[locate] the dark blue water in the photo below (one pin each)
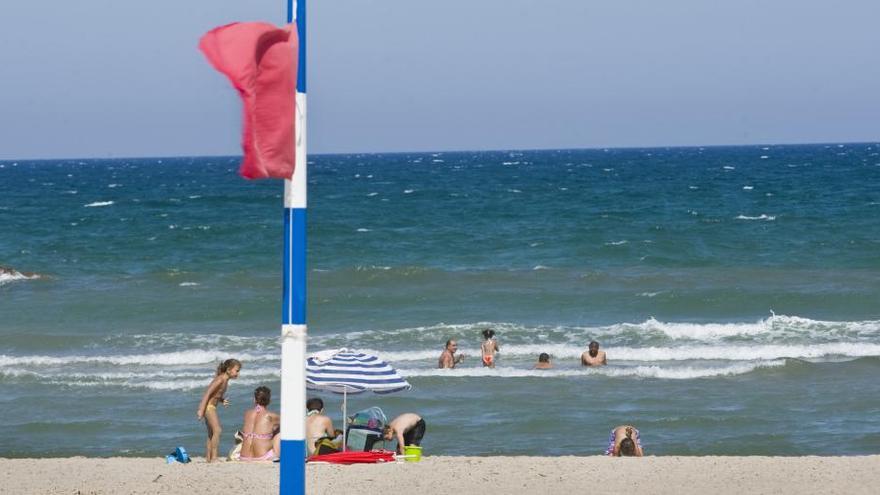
(735, 289)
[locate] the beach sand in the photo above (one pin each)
(460, 475)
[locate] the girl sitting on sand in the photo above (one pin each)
(227, 370)
(261, 441)
(489, 348)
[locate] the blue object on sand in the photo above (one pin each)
(170, 459)
(180, 455)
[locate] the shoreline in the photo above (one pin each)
(464, 475)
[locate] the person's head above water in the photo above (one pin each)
(488, 333)
(314, 404)
(544, 358)
(451, 345)
(262, 396)
(594, 348)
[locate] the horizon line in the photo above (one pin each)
(514, 150)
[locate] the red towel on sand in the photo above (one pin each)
(260, 60)
(351, 457)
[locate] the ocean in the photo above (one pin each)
(735, 290)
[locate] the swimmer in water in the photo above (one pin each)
(593, 356)
(489, 348)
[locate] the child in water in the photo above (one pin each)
(215, 394)
(489, 348)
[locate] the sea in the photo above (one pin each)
(736, 291)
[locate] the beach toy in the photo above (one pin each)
(180, 455)
(412, 453)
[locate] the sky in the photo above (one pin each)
(108, 78)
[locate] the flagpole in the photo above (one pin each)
(293, 318)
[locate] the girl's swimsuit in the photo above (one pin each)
(270, 454)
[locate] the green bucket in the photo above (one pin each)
(413, 453)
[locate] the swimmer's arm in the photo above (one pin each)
(604, 358)
(459, 358)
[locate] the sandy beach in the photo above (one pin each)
(462, 475)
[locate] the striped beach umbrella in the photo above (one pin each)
(350, 372)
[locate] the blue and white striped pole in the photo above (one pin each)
(293, 318)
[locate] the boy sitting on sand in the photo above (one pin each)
(318, 425)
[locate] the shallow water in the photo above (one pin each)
(736, 295)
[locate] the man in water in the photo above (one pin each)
(318, 425)
(543, 362)
(593, 356)
(407, 429)
(448, 359)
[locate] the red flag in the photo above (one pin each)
(260, 60)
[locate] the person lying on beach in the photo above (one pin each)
(407, 429)
(624, 441)
(593, 356)
(215, 394)
(543, 362)
(260, 432)
(489, 348)
(448, 359)
(318, 426)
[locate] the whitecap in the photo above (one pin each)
(364, 230)
(188, 284)
(764, 157)
(98, 203)
(408, 191)
(729, 167)
(8, 275)
(763, 216)
(748, 188)
(669, 373)
(616, 243)
(372, 194)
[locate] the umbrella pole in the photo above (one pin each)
(344, 417)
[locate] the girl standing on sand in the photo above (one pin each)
(215, 394)
(489, 348)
